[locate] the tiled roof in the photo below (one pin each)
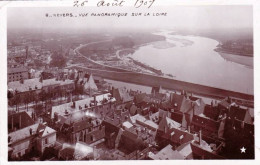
(81, 125)
(14, 119)
(205, 122)
(60, 109)
(201, 150)
(110, 128)
(39, 129)
(166, 105)
(185, 150)
(166, 122)
(177, 117)
(33, 84)
(16, 70)
(178, 136)
(127, 124)
(177, 100)
(48, 131)
(23, 133)
(141, 98)
(237, 112)
(211, 112)
(130, 135)
(167, 153)
(162, 113)
(138, 117)
(28, 84)
(224, 103)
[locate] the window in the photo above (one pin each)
(46, 141)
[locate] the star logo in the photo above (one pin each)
(243, 150)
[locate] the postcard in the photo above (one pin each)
(88, 81)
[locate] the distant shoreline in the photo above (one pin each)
(218, 49)
(221, 50)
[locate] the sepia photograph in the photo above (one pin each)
(130, 83)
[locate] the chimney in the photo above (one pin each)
(20, 122)
(95, 100)
(193, 109)
(171, 97)
(242, 124)
(74, 104)
(30, 131)
(12, 122)
(200, 137)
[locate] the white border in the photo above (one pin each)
(69, 3)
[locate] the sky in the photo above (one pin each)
(203, 17)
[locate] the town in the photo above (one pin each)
(60, 112)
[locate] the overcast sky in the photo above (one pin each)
(177, 17)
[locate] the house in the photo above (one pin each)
(167, 153)
(30, 87)
(130, 142)
(212, 112)
(111, 133)
(225, 104)
(17, 74)
(185, 150)
(46, 138)
(32, 138)
(177, 137)
(165, 125)
(89, 85)
(156, 90)
(208, 126)
(18, 121)
(81, 127)
(98, 105)
(80, 151)
(141, 100)
(121, 95)
(239, 113)
(203, 151)
(184, 108)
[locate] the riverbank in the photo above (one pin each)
(243, 60)
(221, 50)
(120, 59)
(168, 83)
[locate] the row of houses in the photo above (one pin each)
(151, 126)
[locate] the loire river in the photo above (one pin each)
(193, 59)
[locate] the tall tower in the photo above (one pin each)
(27, 53)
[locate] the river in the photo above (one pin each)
(193, 59)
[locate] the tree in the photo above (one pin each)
(58, 60)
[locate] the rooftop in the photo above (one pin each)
(29, 131)
(17, 70)
(167, 153)
(35, 83)
(65, 109)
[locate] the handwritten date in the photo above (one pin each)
(140, 3)
(119, 3)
